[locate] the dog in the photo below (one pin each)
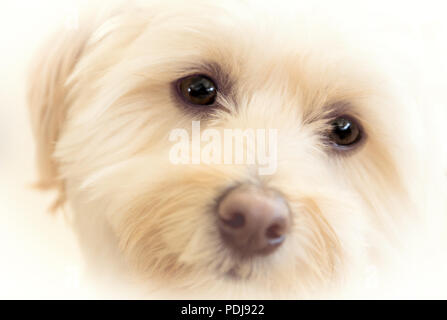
(348, 180)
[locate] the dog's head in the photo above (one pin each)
(112, 101)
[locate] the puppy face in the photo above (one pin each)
(108, 99)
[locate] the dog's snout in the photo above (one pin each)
(253, 221)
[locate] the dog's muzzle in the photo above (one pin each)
(253, 220)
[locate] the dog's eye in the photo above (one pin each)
(198, 89)
(345, 132)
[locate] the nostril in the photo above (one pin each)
(236, 220)
(273, 232)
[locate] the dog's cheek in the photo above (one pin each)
(167, 227)
(330, 219)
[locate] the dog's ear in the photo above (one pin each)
(49, 82)
(47, 98)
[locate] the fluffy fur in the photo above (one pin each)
(102, 109)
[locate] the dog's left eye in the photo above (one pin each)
(198, 89)
(345, 132)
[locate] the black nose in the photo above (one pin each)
(253, 221)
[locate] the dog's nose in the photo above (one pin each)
(253, 221)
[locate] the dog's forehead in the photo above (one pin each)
(288, 49)
(244, 26)
(256, 41)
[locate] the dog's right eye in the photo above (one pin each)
(345, 132)
(197, 90)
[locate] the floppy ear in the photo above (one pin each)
(49, 84)
(47, 101)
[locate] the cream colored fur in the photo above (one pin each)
(102, 109)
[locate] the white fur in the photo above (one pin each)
(102, 111)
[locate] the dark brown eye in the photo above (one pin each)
(198, 90)
(345, 132)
